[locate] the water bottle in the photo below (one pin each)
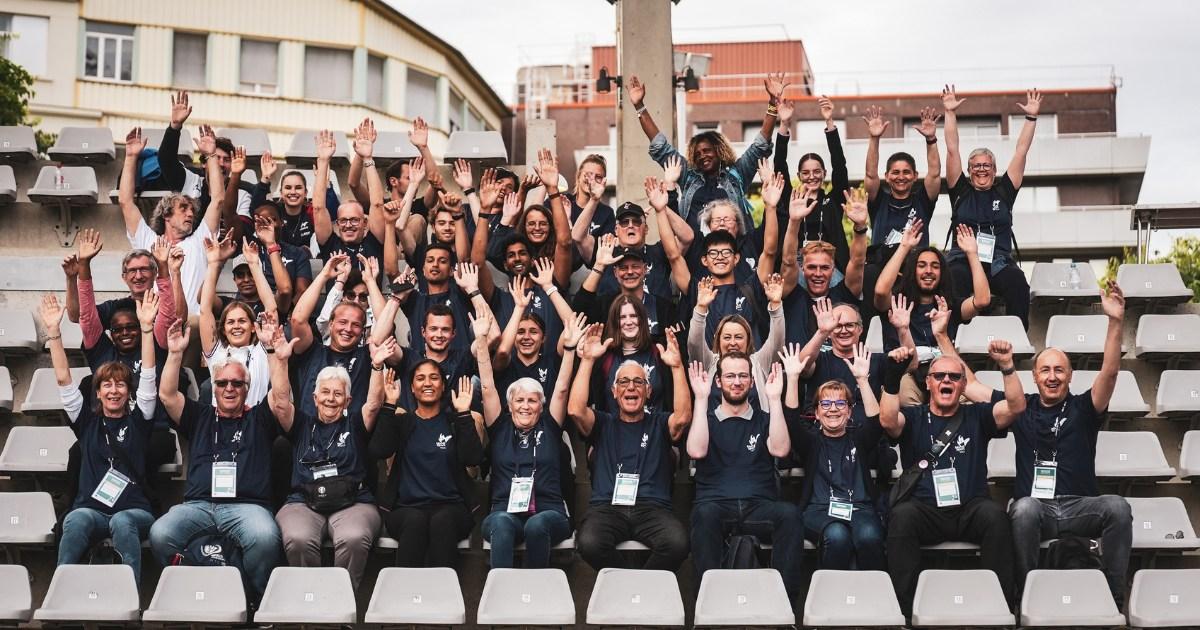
(1073, 279)
(59, 180)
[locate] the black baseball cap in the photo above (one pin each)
(630, 252)
(629, 209)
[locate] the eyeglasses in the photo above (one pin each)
(720, 253)
(228, 383)
(953, 377)
(626, 381)
(125, 328)
(740, 376)
(628, 221)
(827, 404)
(357, 296)
(981, 167)
(349, 221)
(847, 326)
(133, 271)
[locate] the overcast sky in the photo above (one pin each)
(1151, 45)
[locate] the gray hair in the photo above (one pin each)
(139, 253)
(707, 210)
(334, 373)
(982, 151)
(525, 385)
(221, 361)
(631, 363)
(165, 208)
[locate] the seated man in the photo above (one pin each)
(633, 473)
(736, 487)
(946, 444)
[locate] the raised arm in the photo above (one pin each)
(772, 189)
(70, 267)
(697, 439)
(279, 350)
(681, 409)
(301, 330)
(681, 274)
(950, 103)
(799, 207)
(981, 292)
(213, 177)
(284, 290)
(90, 244)
(581, 233)
(215, 254)
(322, 226)
(1031, 107)
(1112, 300)
(229, 203)
(381, 354)
(876, 127)
(364, 148)
(895, 265)
(637, 94)
(466, 275)
(899, 315)
(933, 160)
(827, 321)
(779, 441)
(52, 314)
(697, 345)
(793, 368)
(855, 209)
(1013, 405)
(168, 386)
(590, 348)
(146, 395)
(544, 276)
(265, 296)
(548, 171)
(890, 418)
(134, 143)
(518, 289)
(562, 387)
(492, 405)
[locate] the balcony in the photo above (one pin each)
(1078, 232)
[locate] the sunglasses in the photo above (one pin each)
(125, 329)
(828, 404)
(628, 221)
(626, 381)
(229, 383)
(953, 377)
(357, 296)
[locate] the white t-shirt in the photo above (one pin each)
(195, 264)
(256, 361)
(193, 186)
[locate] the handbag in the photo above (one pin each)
(331, 494)
(908, 480)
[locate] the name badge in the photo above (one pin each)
(110, 487)
(841, 509)
(987, 246)
(893, 237)
(520, 494)
(224, 480)
(322, 471)
(945, 487)
(625, 489)
(1045, 477)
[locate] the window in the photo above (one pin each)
(474, 121)
(456, 111)
(751, 129)
(259, 67)
(190, 60)
(809, 131)
(967, 128)
(108, 52)
(25, 41)
(328, 74)
(420, 95)
(1047, 125)
(701, 127)
(375, 81)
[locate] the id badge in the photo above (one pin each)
(110, 487)
(324, 470)
(520, 493)
(945, 487)
(625, 489)
(893, 238)
(1045, 477)
(987, 246)
(841, 509)
(224, 480)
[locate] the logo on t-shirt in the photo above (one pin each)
(537, 302)
(995, 205)
(649, 368)
(752, 444)
(960, 445)
(738, 302)
(751, 262)
(121, 434)
(342, 439)
(645, 439)
(543, 373)
(1058, 425)
(442, 440)
(237, 437)
(593, 226)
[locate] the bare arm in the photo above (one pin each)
(229, 204)
(856, 209)
(876, 126)
(168, 386)
(322, 226)
(1113, 303)
(1008, 410)
(950, 103)
(491, 398)
(697, 440)
(562, 387)
(281, 388)
(301, 330)
(1031, 107)
(134, 143)
(981, 292)
(681, 411)
(637, 93)
(216, 190)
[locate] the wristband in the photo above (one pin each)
(465, 415)
(376, 368)
(1009, 371)
(640, 110)
(148, 332)
(58, 336)
(553, 195)
(772, 111)
(892, 373)
(1031, 118)
(488, 215)
(472, 294)
(862, 231)
(269, 350)
(469, 191)
(551, 291)
(932, 140)
(274, 248)
(368, 163)
(570, 348)
(599, 271)
(457, 217)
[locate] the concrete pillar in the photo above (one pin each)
(644, 50)
(539, 134)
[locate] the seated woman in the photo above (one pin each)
(428, 498)
(114, 439)
(526, 444)
(329, 468)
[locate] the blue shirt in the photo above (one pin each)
(738, 464)
(655, 371)
(544, 370)
(427, 466)
(988, 211)
(1065, 433)
(798, 310)
(535, 452)
(967, 453)
(245, 440)
(418, 304)
(99, 437)
(319, 356)
(342, 443)
(829, 367)
(744, 297)
(888, 213)
(640, 448)
(658, 274)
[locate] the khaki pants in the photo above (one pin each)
(911, 394)
(352, 530)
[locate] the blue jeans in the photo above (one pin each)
(539, 532)
(84, 526)
(252, 526)
(841, 545)
(776, 522)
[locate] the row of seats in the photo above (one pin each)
(1052, 284)
(42, 397)
(750, 597)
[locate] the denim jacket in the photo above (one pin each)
(732, 180)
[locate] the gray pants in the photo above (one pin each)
(352, 530)
(1107, 517)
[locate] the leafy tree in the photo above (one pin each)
(1184, 254)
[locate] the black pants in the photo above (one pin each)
(1009, 283)
(605, 526)
(428, 535)
(777, 522)
(914, 523)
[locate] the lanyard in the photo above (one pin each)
(103, 427)
(1060, 421)
(933, 439)
(846, 475)
(526, 436)
(312, 437)
(217, 435)
(640, 453)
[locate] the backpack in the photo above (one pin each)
(210, 550)
(741, 552)
(1073, 552)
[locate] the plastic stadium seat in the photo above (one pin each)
(1080, 336)
(875, 335)
(1002, 458)
(72, 336)
(1077, 597)
(8, 184)
(79, 187)
(1125, 455)
(303, 151)
(631, 545)
(26, 518)
(309, 595)
(973, 338)
(1162, 523)
(1051, 282)
(959, 599)
(417, 596)
(42, 397)
(566, 545)
(1126, 401)
(995, 380)
(851, 598)
(83, 145)
(6, 389)
(17, 332)
(392, 146)
(91, 593)
(16, 601)
(538, 597)
(256, 141)
(1159, 284)
(743, 597)
(1189, 457)
(36, 449)
(1167, 337)
(476, 145)
(1165, 598)
(17, 144)
(1178, 394)
(198, 595)
(631, 597)
(154, 138)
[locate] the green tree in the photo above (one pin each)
(16, 88)
(1184, 254)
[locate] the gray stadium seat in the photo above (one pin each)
(1126, 401)
(1153, 284)
(973, 338)
(303, 151)
(6, 389)
(79, 186)
(83, 145)
(630, 597)
(36, 449)
(256, 141)
(308, 595)
(487, 146)
(851, 598)
(1189, 457)
(18, 333)
(8, 184)
(1165, 598)
(417, 596)
(1167, 337)
(631, 545)
(18, 144)
(16, 602)
(1178, 394)
(154, 138)
(538, 597)
(42, 397)
(72, 336)
(198, 595)
(1068, 598)
(90, 593)
(193, 389)
(1162, 523)
(959, 599)
(1002, 458)
(26, 518)
(1080, 336)
(875, 335)
(743, 597)
(1131, 456)
(1050, 282)
(392, 146)
(995, 380)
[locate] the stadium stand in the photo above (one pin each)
(303, 150)
(16, 600)
(1068, 598)
(1050, 285)
(537, 597)
(973, 338)
(197, 595)
(958, 599)
(70, 185)
(1189, 456)
(629, 597)
(1162, 524)
(745, 597)
(1178, 394)
(851, 599)
(417, 596)
(1167, 338)
(1165, 598)
(83, 145)
(8, 184)
(26, 518)
(308, 595)
(18, 144)
(256, 141)
(1155, 286)
(32, 449)
(42, 396)
(90, 594)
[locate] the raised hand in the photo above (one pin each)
(1032, 104)
(134, 142)
(900, 315)
(382, 351)
(591, 347)
(391, 211)
(950, 100)
(827, 320)
(635, 90)
(929, 120)
(177, 336)
(333, 266)
(772, 189)
(466, 275)
(369, 266)
(435, 177)
(70, 265)
(237, 161)
(450, 200)
(856, 206)
(672, 170)
(773, 388)
(1112, 301)
(511, 207)
(416, 171)
(801, 204)
(266, 327)
(180, 109)
(212, 252)
(326, 146)
(462, 174)
(903, 354)
(766, 171)
(264, 230)
(826, 106)
(595, 187)
(939, 318)
(543, 273)
(547, 169)
(775, 84)
(706, 292)
(267, 167)
(573, 330)
(530, 181)
(912, 234)
(604, 251)
(876, 125)
(1001, 351)
(206, 144)
(461, 397)
(51, 313)
(364, 139)
(773, 287)
(787, 109)
(175, 260)
(489, 190)
(965, 237)
(480, 325)
(793, 363)
(419, 134)
(699, 379)
(250, 252)
(860, 366)
(669, 354)
(391, 387)
(90, 244)
(147, 309)
(656, 194)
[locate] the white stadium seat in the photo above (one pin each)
(973, 338)
(8, 184)
(487, 146)
(83, 145)
(90, 594)
(1051, 282)
(957, 599)
(42, 396)
(1165, 598)
(16, 600)
(18, 144)
(1162, 523)
(1167, 337)
(851, 599)
(631, 597)
(1154, 285)
(1080, 336)
(1068, 598)
(303, 150)
(26, 518)
(418, 596)
(536, 597)
(256, 141)
(308, 595)
(78, 187)
(1178, 394)
(743, 597)
(34, 449)
(18, 334)
(1131, 456)
(198, 595)
(1189, 456)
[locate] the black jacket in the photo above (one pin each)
(392, 430)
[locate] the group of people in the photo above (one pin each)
(733, 346)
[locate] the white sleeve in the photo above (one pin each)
(147, 393)
(144, 237)
(72, 400)
(332, 299)
(243, 204)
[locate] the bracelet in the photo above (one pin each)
(457, 217)
(148, 332)
(553, 195)
(570, 348)
(376, 368)
(274, 248)
(269, 350)
(932, 140)
(551, 291)
(772, 111)
(472, 294)
(58, 336)
(368, 163)
(488, 215)
(640, 110)
(1008, 371)
(469, 191)
(862, 231)
(599, 271)
(1031, 118)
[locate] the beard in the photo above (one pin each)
(735, 400)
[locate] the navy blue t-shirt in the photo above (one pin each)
(798, 311)
(319, 356)
(246, 441)
(738, 464)
(1065, 433)
(295, 262)
(342, 444)
(427, 466)
(829, 367)
(838, 472)
(967, 452)
(368, 247)
(418, 304)
(640, 448)
(888, 213)
(919, 325)
(744, 297)
(544, 370)
(456, 365)
(989, 211)
(97, 436)
(603, 221)
(655, 372)
(535, 452)
(658, 274)
(539, 305)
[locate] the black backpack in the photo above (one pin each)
(741, 552)
(1073, 552)
(210, 550)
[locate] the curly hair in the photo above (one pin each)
(165, 209)
(725, 154)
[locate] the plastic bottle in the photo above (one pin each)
(59, 180)
(1073, 277)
